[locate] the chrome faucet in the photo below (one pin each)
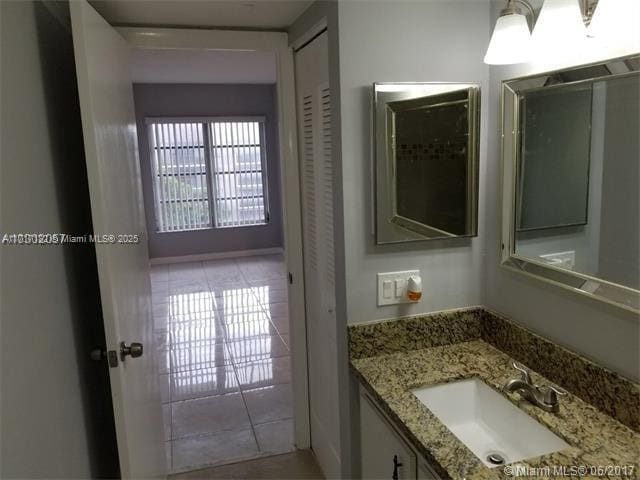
(544, 397)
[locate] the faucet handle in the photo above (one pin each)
(524, 373)
(551, 394)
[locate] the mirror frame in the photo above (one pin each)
(512, 91)
(384, 191)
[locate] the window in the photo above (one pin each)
(237, 169)
(208, 174)
(181, 186)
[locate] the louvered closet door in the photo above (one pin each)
(314, 144)
(325, 181)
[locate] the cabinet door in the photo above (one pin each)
(425, 472)
(380, 444)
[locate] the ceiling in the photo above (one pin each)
(261, 14)
(202, 66)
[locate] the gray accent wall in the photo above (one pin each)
(382, 41)
(56, 416)
(446, 41)
(406, 41)
(189, 100)
(607, 335)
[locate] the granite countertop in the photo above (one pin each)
(596, 439)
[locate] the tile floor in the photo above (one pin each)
(297, 465)
(222, 340)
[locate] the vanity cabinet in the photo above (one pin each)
(384, 450)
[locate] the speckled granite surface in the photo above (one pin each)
(596, 439)
(611, 393)
(602, 388)
(413, 333)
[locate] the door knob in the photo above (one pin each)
(134, 350)
(98, 354)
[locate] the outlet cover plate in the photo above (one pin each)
(393, 277)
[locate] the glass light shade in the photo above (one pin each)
(510, 42)
(560, 31)
(616, 23)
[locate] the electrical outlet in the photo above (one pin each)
(392, 287)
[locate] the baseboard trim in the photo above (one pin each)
(214, 256)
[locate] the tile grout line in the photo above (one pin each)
(246, 409)
(266, 312)
(235, 370)
(287, 346)
(230, 364)
(226, 430)
(217, 323)
(165, 302)
(233, 363)
(171, 366)
(169, 323)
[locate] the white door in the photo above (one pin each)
(113, 170)
(313, 99)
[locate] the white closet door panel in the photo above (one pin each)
(314, 145)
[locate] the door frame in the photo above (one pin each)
(276, 42)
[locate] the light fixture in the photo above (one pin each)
(559, 31)
(616, 22)
(511, 39)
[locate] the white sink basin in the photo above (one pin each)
(487, 423)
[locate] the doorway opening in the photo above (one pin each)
(208, 142)
(207, 180)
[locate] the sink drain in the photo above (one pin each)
(495, 459)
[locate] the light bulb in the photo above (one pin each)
(559, 32)
(510, 42)
(616, 25)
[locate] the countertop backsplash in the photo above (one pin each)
(609, 392)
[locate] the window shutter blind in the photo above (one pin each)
(208, 173)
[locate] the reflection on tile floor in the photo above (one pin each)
(223, 347)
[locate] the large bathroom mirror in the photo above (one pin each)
(571, 165)
(426, 156)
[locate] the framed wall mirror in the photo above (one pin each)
(571, 179)
(426, 160)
